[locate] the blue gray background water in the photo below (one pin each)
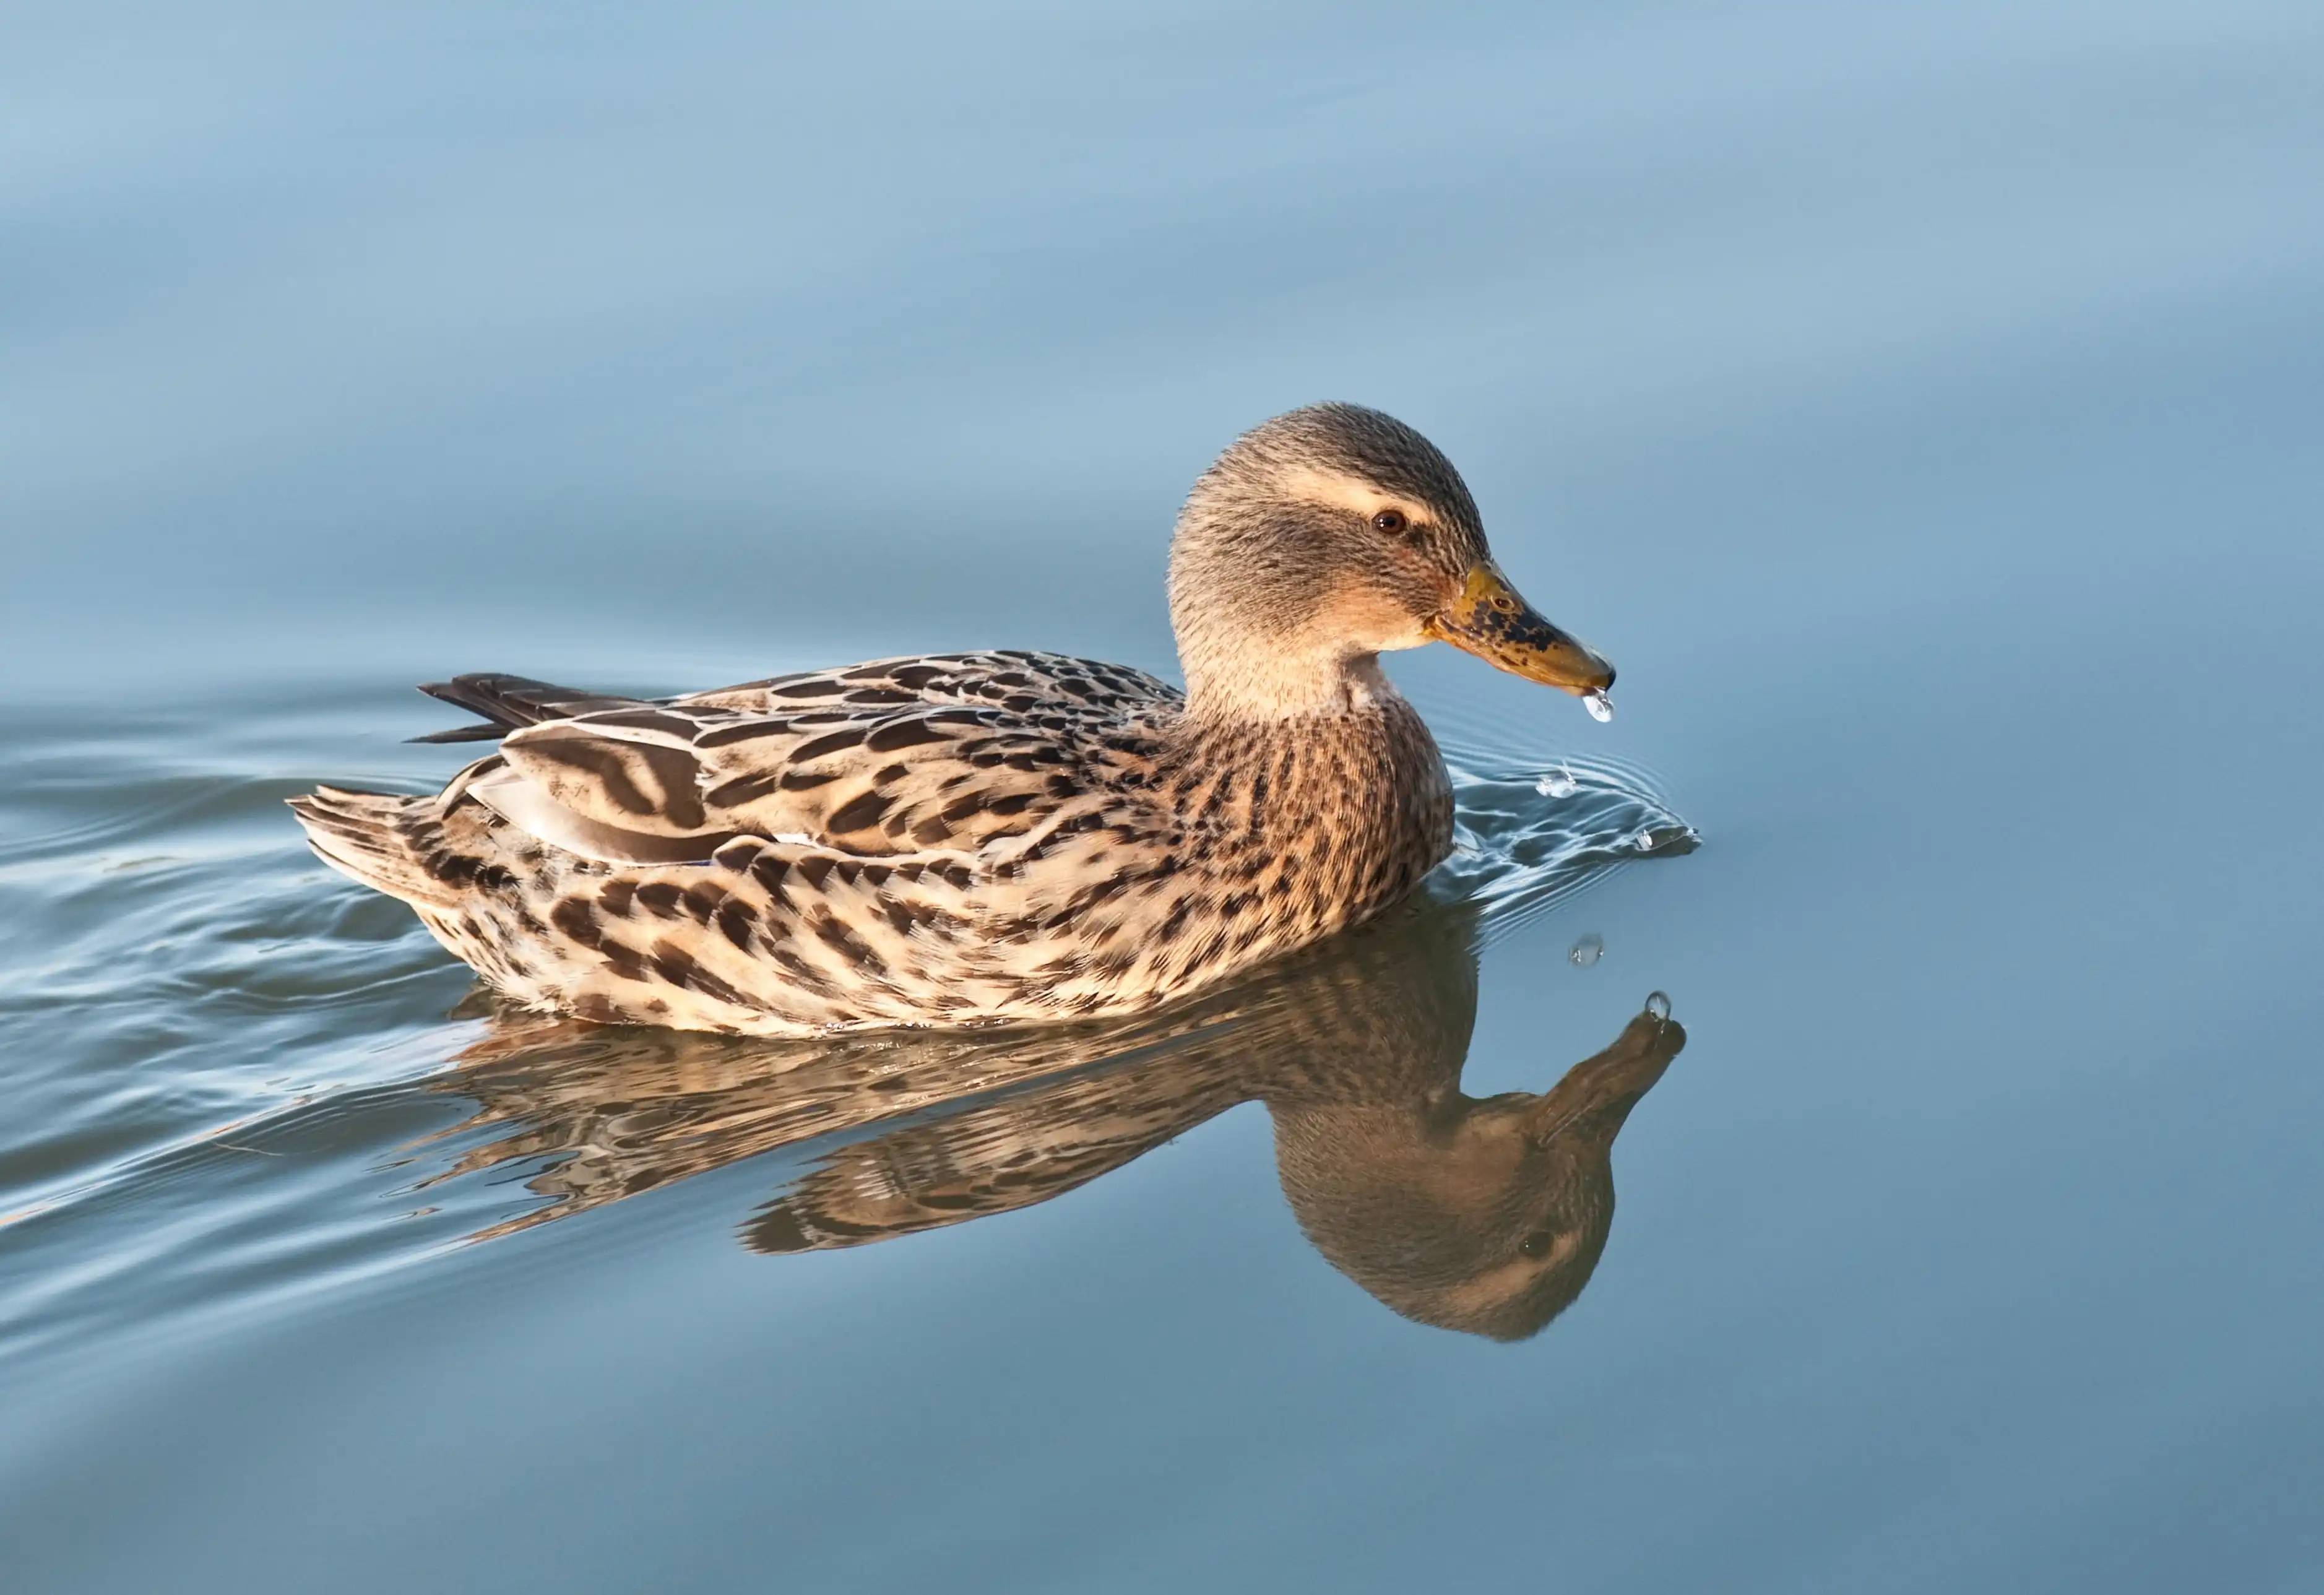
(1920, 405)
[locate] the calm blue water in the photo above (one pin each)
(1919, 404)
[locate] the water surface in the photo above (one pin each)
(1920, 408)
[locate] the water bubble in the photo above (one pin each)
(1557, 783)
(1658, 1005)
(1586, 952)
(1600, 706)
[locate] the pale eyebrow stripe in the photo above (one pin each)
(1347, 492)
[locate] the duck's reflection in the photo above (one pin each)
(1485, 1214)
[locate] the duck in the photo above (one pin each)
(992, 837)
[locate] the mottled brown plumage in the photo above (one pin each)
(988, 837)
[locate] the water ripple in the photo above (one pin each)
(1518, 852)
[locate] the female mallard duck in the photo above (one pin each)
(987, 837)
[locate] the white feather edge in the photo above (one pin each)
(509, 794)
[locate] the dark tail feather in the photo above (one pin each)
(464, 733)
(509, 702)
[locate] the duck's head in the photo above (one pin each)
(1326, 536)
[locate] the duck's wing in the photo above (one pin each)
(944, 755)
(1011, 679)
(507, 702)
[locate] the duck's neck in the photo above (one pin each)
(1253, 688)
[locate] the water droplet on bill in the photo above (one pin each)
(1643, 841)
(1586, 952)
(1658, 1005)
(1600, 706)
(1557, 783)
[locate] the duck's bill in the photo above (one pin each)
(1490, 621)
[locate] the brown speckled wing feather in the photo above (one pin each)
(899, 756)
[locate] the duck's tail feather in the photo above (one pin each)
(390, 843)
(509, 702)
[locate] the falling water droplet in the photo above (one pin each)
(1658, 1005)
(1557, 783)
(1600, 706)
(1586, 952)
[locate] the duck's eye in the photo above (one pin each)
(1538, 1244)
(1390, 521)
